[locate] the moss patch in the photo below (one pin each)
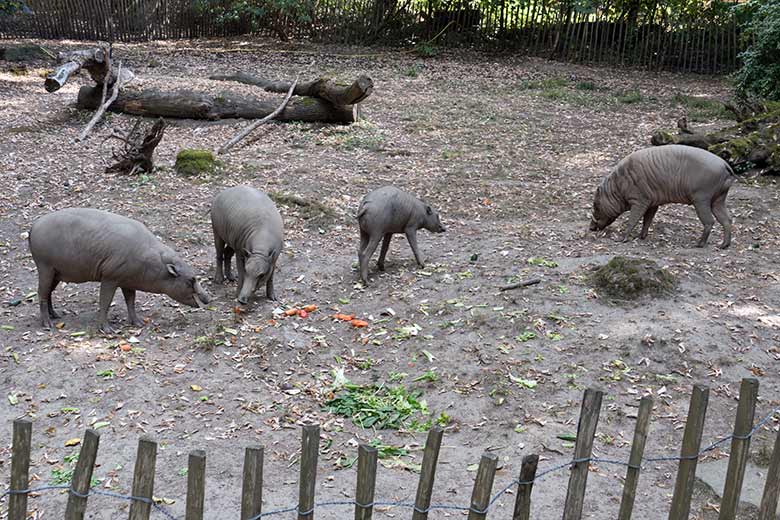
(312, 211)
(630, 278)
(195, 162)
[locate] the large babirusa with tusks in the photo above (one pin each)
(386, 211)
(88, 245)
(666, 174)
(246, 223)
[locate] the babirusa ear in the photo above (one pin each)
(172, 270)
(428, 210)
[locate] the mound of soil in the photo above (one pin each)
(624, 278)
(313, 212)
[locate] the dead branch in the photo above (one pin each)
(526, 283)
(104, 104)
(227, 146)
(138, 151)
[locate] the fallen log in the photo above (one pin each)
(95, 61)
(194, 105)
(322, 88)
(750, 145)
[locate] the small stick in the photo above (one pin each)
(104, 106)
(526, 283)
(227, 146)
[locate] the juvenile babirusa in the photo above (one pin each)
(386, 211)
(246, 222)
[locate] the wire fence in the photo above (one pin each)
(410, 505)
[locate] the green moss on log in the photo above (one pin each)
(625, 278)
(191, 162)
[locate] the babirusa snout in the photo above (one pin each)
(246, 291)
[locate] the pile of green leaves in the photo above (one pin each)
(760, 72)
(381, 407)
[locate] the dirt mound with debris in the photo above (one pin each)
(626, 278)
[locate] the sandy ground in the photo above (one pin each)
(510, 162)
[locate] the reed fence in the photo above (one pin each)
(703, 37)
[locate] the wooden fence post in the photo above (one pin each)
(635, 459)
(740, 446)
(20, 469)
(143, 479)
(772, 486)
(310, 448)
(366, 482)
(524, 488)
(483, 486)
(82, 476)
(689, 454)
(586, 431)
(196, 485)
(427, 473)
(252, 490)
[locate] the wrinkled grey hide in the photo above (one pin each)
(88, 245)
(386, 211)
(666, 174)
(246, 222)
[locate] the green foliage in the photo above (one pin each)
(701, 108)
(63, 474)
(543, 262)
(760, 72)
(9, 7)
(426, 50)
(413, 71)
(629, 97)
(429, 376)
(256, 11)
(585, 85)
(380, 407)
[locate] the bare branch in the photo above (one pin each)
(104, 104)
(227, 146)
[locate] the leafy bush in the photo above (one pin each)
(9, 7)
(760, 72)
(274, 13)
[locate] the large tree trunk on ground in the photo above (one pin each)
(194, 105)
(323, 88)
(753, 144)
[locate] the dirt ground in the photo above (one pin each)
(509, 150)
